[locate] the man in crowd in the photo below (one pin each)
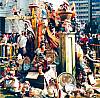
(21, 41)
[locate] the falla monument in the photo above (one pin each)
(67, 38)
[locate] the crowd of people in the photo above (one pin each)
(31, 57)
(87, 55)
(28, 59)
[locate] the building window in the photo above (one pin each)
(96, 9)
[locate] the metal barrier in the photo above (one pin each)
(8, 51)
(96, 47)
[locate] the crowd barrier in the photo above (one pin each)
(96, 47)
(8, 51)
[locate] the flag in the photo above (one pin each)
(73, 9)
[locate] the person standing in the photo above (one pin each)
(21, 42)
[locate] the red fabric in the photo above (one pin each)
(53, 44)
(39, 32)
(84, 40)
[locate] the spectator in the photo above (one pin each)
(91, 60)
(84, 40)
(5, 39)
(21, 41)
(13, 38)
(95, 39)
(90, 40)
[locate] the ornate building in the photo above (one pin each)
(8, 10)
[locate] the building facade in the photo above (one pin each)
(88, 11)
(82, 9)
(8, 8)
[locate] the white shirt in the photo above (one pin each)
(22, 41)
